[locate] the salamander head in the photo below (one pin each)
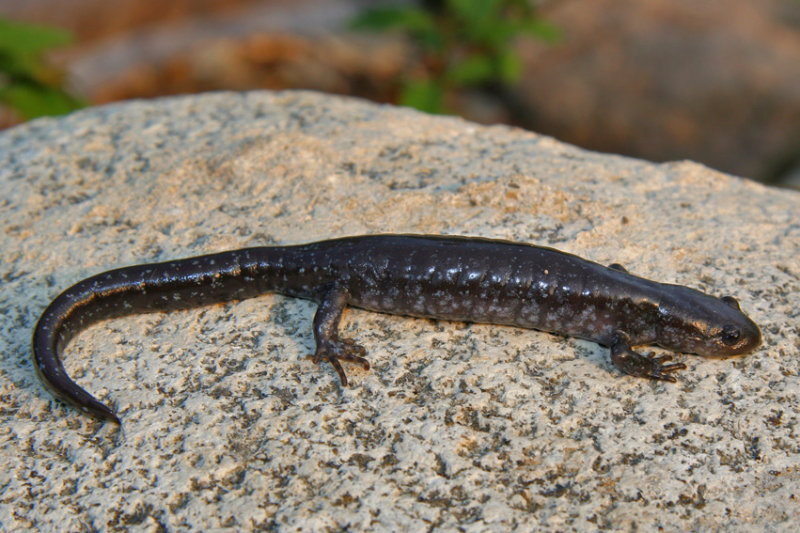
(693, 322)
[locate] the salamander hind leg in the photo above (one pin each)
(326, 332)
(636, 364)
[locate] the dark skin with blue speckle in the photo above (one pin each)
(452, 278)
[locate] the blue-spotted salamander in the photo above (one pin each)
(452, 278)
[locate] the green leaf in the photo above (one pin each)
(419, 23)
(473, 70)
(27, 83)
(475, 12)
(475, 20)
(409, 19)
(33, 101)
(509, 66)
(18, 38)
(424, 95)
(19, 65)
(542, 29)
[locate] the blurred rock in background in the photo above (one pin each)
(717, 82)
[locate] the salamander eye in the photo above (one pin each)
(730, 335)
(730, 300)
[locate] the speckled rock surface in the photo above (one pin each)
(228, 424)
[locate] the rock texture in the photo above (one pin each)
(227, 424)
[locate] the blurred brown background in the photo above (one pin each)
(713, 81)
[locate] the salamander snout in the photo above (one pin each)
(701, 324)
(739, 335)
(737, 339)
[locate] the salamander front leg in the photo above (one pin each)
(636, 364)
(326, 332)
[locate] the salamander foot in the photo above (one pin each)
(636, 364)
(337, 350)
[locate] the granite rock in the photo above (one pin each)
(227, 424)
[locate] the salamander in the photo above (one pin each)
(454, 278)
